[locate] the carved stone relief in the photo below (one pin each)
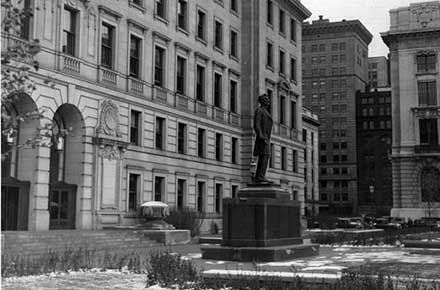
(109, 152)
(109, 119)
(424, 12)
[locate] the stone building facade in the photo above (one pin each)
(335, 66)
(311, 159)
(414, 42)
(151, 100)
(378, 72)
(373, 139)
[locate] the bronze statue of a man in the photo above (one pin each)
(263, 129)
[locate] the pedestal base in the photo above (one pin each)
(260, 254)
(262, 225)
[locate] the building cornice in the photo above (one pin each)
(390, 37)
(299, 8)
(325, 27)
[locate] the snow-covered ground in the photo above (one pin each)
(328, 265)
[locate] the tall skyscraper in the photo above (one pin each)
(335, 66)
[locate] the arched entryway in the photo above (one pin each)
(20, 123)
(66, 166)
(430, 184)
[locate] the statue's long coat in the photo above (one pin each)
(263, 128)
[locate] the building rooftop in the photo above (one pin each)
(323, 26)
(417, 17)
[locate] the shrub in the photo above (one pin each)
(73, 260)
(167, 269)
(187, 219)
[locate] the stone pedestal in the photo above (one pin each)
(262, 224)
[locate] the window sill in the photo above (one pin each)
(161, 19)
(234, 12)
(218, 49)
(203, 41)
(138, 7)
(234, 57)
(219, 2)
(426, 73)
(183, 30)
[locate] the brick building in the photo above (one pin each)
(335, 66)
(373, 141)
(414, 42)
(378, 72)
(151, 100)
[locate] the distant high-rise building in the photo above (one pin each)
(373, 127)
(378, 72)
(414, 42)
(335, 66)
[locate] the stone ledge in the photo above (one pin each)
(258, 254)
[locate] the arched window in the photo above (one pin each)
(430, 184)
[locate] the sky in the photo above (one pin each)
(374, 15)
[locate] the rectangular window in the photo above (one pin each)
(293, 69)
(107, 45)
(292, 29)
(428, 131)
(159, 188)
(270, 96)
(427, 93)
(181, 138)
(200, 85)
(426, 62)
(135, 127)
(135, 53)
(181, 193)
(233, 95)
(294, 161)
(69, 31)
(272, 156)
(217, 90)
(304, 135)
(334, 46)
(269, 56)
(283, 158)
(293, 114)
(234, 44)
(282, 109)
(282, 20)
(218, 197)
(218, 35)
(201, 24)
(161, 8)
(159, 66)
(181, 75)
(200, 196)
(218, 147)
(201, 133)
(26, 21)
(182, 12)
(234, 5)
(234, 190)
(234, 150)
(269, 12)
(133, 190)
(160, 133)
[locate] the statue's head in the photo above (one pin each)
(264, 100)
